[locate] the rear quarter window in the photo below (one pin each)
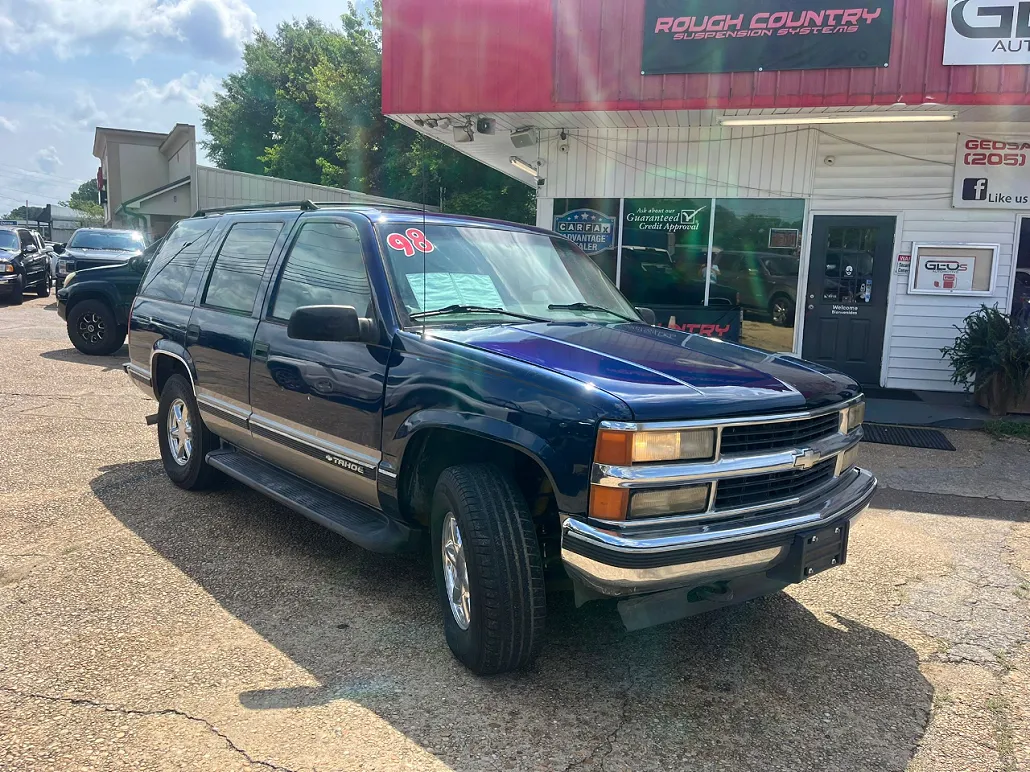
(171, 268)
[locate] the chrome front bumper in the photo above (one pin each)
(620, 563)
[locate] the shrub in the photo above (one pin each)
(990, 346)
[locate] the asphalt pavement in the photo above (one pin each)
(145, 628)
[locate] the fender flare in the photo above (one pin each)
(173, 350)
(92, 289)
(486, 428)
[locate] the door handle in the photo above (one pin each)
(192, 334)
(261, 351)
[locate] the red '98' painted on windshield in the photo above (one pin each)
(411, 241)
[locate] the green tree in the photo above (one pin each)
(85, 199)
(306, 106)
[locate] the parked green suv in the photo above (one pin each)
(95, 303)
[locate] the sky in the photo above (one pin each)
(68, 66)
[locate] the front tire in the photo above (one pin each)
(183, 437)
(489, 570)
(92, 328)
(43, 288)
(19, 291)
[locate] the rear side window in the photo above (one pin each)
(171, 268)
(324, 268)
(236, 274)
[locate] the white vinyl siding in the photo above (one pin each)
(679, 162)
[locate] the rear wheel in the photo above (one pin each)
(781, 309)
(93, 329)
(184, 439)
(489, 570)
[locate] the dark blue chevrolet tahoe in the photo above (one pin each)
(406, 378)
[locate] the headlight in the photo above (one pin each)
(68, 279)
(853, 417)
(620, 448)
(670, 501)
(6, 268)
(65, 265)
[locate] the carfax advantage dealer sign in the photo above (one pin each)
(694, 36)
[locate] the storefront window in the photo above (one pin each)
(756, 257)
(593, 225)
(665, 262)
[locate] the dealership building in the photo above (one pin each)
(846, 181)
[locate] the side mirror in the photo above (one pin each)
(59, 248)
(333, 324)
(647, 315)
(31, 249)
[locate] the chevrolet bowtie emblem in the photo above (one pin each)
(806, 459)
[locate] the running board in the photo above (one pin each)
(359, 523)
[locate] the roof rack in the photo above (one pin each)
(307, 206)
(304, 206)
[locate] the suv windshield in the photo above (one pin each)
(121, 241)
(469, 270)
(8, 240)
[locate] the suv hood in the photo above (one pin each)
(664, 374)
(99, 255)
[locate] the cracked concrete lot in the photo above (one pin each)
(145, 628)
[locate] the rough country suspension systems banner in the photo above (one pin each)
(695, 36)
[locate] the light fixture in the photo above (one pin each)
(431, 123)
(816, 119)
(522, 166)
(444, 124)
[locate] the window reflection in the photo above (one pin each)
(849, 265)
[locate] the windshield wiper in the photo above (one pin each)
(588, 307)
(461, 309)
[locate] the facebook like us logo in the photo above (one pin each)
(974, 189)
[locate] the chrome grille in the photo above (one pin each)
(757, 438)
(748, 491)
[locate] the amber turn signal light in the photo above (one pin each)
(608, 503)
(613, 447)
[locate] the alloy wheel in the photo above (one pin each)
(180, 432)
(455, 572)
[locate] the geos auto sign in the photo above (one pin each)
(590, 230)
(987, 32)
(992, 172)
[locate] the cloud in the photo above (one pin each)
(47, 160)
(189, 88)
(213, 30)
(85, 114)
(6, 124)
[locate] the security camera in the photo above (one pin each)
(829, 160)
(540, 182)
(563, 146)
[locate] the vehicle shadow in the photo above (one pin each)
(766, 685)
(108, 363)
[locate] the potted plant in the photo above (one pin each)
(991, 356)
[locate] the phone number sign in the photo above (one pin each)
(992, 172)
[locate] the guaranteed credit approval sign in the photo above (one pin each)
(992, 172)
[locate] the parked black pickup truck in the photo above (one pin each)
(95, 303)
(403, 378)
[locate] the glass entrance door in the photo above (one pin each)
(846, 302)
